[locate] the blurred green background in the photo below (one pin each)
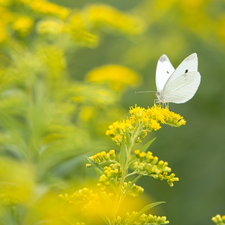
(70, 69)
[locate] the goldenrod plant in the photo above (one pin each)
(67, 71)
(119, 172)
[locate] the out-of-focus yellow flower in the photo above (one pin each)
(17, 182)
(90, 94)
(76, 21)
(49, 8)
(5, 2)
(108, 17)
(7, 15)
(84, 37)
(78, 31)
(89, 204)
(116, 76)
(3, 34)
(53, 61)
(193, 4)
(218, 219)
(50, 27)
(23, 25)
(87, 113)
(220, 32)
(25, 1)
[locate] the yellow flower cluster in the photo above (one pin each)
(143, 219)
(108, 17)
(103, 157)
(117, 77)
(134, 191)
(23, 25)
(83, 195)
(7, 200)
(112, 174)
(149, 165)
(50, 27)
(50, 18)
(8, 18)
(3, 34)
(142, 121)
(88, 202)
(219, 220)
(159, 115)
(48, 8)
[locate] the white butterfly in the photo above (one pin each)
(180, 85)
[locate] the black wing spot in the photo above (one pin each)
(186, 70)
(167, 72)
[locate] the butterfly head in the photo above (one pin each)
(160, 96)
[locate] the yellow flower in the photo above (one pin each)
(149, 121)
(118, 77)
(142, 155)
(218, 219)
(154, 125)
(49, 8)
(147, 164)
(76, 21)
(23, 25)
(76, 28)
(3, 34)
(87, 113)
(109, 17)
(50, 27)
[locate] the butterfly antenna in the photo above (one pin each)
(137, 92)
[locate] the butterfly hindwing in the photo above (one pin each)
(164, 70)
(183, 88)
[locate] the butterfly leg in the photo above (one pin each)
(156, 101)
(167, 105)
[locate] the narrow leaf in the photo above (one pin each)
(123, 154)
(147, 207)
(99, 169)
(136, 127)
(145, 147)
(129, 143)
(134, 181)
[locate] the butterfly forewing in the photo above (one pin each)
(183, 88)
(164, 70)
(188, 65)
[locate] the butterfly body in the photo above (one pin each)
(180, 85)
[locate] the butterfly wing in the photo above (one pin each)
(183, 88)
(189, 64)
(164, 70)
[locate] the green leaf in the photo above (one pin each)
(129, 143)
(123, 154)
(134, 181)
(145, 147)
(147, 207)
(136, 127)
(99, 170)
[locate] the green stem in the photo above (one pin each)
(120, 196)
(130, 174)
